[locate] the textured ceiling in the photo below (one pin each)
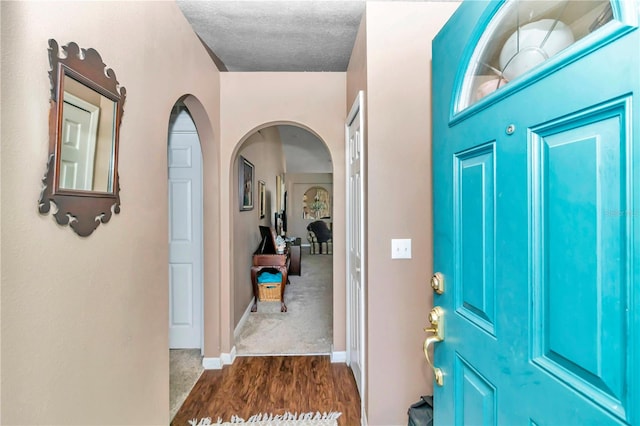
(276, 35)
(304, 36)
(280, 36)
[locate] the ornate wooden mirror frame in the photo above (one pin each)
(82, 167)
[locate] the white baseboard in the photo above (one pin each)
(243, 319)
(227, 359)
(219, 362)
(212, 363)
(339, 356)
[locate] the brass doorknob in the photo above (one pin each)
(438, 376)
(437, 283)
(437, 328)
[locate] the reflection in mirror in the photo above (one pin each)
(86, 109)
(316, 203)
(87, 145)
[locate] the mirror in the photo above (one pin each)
(316, 203)
(86, 109)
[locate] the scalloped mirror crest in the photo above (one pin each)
(83, 207)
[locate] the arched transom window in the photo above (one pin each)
(522, 35)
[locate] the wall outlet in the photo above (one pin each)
(401, 248)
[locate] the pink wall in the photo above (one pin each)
(85, 320)
(250, 101)
(396, 48)
(357, 69)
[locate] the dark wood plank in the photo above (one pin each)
(273, 384)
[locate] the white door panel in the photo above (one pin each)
(181, 309)
(180, 200)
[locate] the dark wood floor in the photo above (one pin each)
(273, 384)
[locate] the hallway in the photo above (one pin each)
(306, 329)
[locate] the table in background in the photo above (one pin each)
(295, 256)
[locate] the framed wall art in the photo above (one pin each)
(245, 183)
(262, 198)
(278, 193)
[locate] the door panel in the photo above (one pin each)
(477, 394)
(581, 276)
(474, 235)
(180, 200)
(181, 309)
(536, 230)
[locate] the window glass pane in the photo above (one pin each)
(522, 35)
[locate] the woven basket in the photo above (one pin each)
(268, 292)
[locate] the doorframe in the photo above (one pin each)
(356, 108)
(94, 120)
(200, 254)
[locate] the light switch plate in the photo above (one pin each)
(401, 248)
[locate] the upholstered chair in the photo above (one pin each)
(320, 238)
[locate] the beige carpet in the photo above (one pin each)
(307, 327)
(185, 368)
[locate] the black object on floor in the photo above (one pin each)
(421, 413)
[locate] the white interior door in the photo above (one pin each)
(77, 153)
(355, 242)
(185, 235)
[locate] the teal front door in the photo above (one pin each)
(536, 171)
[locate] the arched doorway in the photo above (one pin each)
(287, 160)
(186, 275)
(190, 119)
